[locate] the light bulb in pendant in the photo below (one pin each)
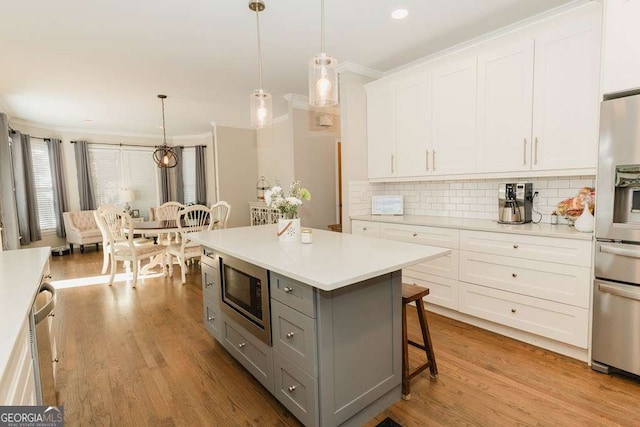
(165, 159)
(323, 88)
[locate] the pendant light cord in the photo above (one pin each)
(164, 127)
(259, 46)
(322, 26)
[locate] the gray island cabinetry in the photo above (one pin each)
(334, 355)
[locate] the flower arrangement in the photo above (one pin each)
(287, 205)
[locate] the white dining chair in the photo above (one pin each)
(117, 228)
(220, 213)
(168, 212)
(190, 219)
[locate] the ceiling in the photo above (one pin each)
(70, 60)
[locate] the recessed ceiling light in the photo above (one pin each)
(87, 120)
(399, 13)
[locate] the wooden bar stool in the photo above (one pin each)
(411, 293)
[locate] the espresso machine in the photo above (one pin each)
(515, 202)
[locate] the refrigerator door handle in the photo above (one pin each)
(619, 291)
(620, 251)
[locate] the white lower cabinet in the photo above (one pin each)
(536, 284)
(560, 322)
(18, 385)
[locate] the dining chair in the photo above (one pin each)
(168, 211)
(220, 213)
(190, 219)
(117, 228)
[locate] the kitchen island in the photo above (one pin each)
(334, 356)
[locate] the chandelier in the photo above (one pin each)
(164, 156)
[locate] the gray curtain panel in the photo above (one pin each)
(179, 181)
(59, 189)
(165, 188)
(8, 208)
(83, 168)
(201, 175)
(26, 201)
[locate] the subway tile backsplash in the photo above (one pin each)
(465, 199)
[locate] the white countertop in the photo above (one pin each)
(332, 261)
(20, 274)
(547, 230)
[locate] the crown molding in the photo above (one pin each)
(301, 102)
(280, 119)
(359, 69)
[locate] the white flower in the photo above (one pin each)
(293, 201)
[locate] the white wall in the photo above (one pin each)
(353, 129)
(275, 151)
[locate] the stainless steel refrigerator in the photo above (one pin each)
(616, 297)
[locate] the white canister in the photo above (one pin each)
(306, 236)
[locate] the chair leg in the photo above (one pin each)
(81, 249)
(71, 247)
(136, 264)
(426, 337)
(97, 246)
(105, 261)
(183, 271)
(113, 271)
(406, 388)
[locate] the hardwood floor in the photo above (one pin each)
(132, 357)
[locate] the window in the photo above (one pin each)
(189, 174)
(115, 168)
(44, 185)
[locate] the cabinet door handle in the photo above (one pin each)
(535, 151)
(287, 289)
(514, 274)
(242, 344)
(515, 246)
(392, 159)
(291, 388)
(524, 152)
(426, 153)
(209, 284)
(290, 335)
(513, 310)
(364, 228)
(433, 160)
(415, 234)
(211, 318)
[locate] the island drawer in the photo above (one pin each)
(365, 228)
(433, 236)
(540, 248)
(442, 290)
(561, 322)
(212, 318)
(210, 282)
(445, 266)
(567, 284)
(253, 354)
(210, 258)
(294, 336)
(294, 294)
(296, 390)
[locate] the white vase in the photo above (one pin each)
(289, 230)
(584, 222)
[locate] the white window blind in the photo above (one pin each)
(189, 174)
(44, 185)
(116, 168)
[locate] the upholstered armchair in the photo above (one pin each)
(81, 229)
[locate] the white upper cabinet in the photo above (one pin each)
(566, 97)
(505, 97)
(413, 124)
(381, 131)
(621, 45)
(454, 116)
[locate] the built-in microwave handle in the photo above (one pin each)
(632, 253)
(619, 291)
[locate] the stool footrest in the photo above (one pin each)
(415, 344)
(419, 369)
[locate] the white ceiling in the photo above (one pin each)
(69, 60)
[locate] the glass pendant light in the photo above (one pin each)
(323, 76)
(261, 109)
(164, 156)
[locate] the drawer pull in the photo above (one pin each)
(515, 246)
(211, 318)
(287, 289)
(415, 234)
(364, 228)
(56, 360)
(291, 388)
(290, 335)
(242, 344)
(209, 284)
(513, 310)
(514, 274)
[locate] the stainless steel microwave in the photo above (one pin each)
(245, 296)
